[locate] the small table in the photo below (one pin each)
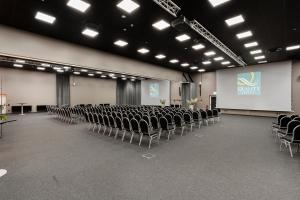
(22, 104)
(4, 122)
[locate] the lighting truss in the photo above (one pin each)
(196, 26)
(169, 6)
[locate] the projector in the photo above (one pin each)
(181, 23)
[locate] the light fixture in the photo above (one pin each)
(91, 74)
(201, 70)
(259, 57)
(60, 71)
(123, 76)
(18, 65)
(98, 72)
(206, 62)
(193, 67)
(45, 65)
(198, 46)
(20, 61)
(128, 6)
(251, 44)
(231, 66)
(79, 5)
(143, 50)
(216, 3)
(84, 70)
(244, 34)
(132, 79)
(114, 77)
(183, 37)
(218, 58)
(185, 64)
(41, 68)
(255, 51)
(67, 68)
(77, 73)
(225, 63)
(235, 20)
(120, 43)
(111, 74)
(103, 76)
(161, 25)
(160, 56)
(124, 79)
(210, 53)
(263, 61)
(90, 32)
(57, 68)
(45, 17)
(294, 47)
(173, 61)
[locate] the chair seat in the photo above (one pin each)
(289, 139)
(282, 131)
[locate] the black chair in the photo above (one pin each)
(147, 119)
(112, 124)
(282, 126)
(164, 126)
(276, 124)
(292, 139)
(197, 119)
(138, 117)
(170, 120)
(97, 122)
(289, 130)
(210, 116)
(297, 118)
(127, 127)
(154, 123)
(179, 123)
(119, 126)
(145, 131)
(188, 120)
(135, 128)
(216, 114)
(106, 123)
(204, 117)
(294, 116)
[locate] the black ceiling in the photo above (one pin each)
(274, 23)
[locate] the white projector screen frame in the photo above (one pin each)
(276, 88)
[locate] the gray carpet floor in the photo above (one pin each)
(235, 159)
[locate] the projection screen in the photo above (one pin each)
(262, 87)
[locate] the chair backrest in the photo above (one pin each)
(154, 122)
(209, 113)
(138, 117)
(215, 112)
(163, 123)
(147, 119)
(279, 118)
(91, 117)
(187, 117)
(178, 120)
(135, 125)
(144, 126)
(203, 114)
(100, 118)
(112, 121)
(296, 134)
(297, 118)
(196, 116)
(291, 126)
(106, 120)
(119, 123)
(284, 122)
(294, 116)
(96, 118)
(169, 118)
(126, 124)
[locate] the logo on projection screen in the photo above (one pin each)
(154, 90)
(249, 83)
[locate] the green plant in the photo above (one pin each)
(3, 117)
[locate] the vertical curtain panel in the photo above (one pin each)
(128, 92)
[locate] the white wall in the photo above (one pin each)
(92, 90)
(33, 88)
(164, 92)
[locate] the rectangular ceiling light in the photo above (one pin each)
(218, 58)
(128, 6)
(20, 61)
(174, 61)
(255, 51)
(216, 3)
(98, 72)
(294, 47)
(77, 73)
(225, 63)
(160, 56)
(121, 43)
(143, 50)
(244, 35)
(84, 70)
(251, 44)
(45, 17)
(103, 76)
(90, 32)
(198, 46)
(161, 25)
(56, 68)
(185, 64)
(45, 65)
(201, 70)
(193, 67)
(263, 61)
(210, 53)
(41, 68)
(60, 71)
(79, 5)
(231, 66)
(235, 20)
(206, 62)
(259, 57)
(183, 37)
(18, 65)
(91, 75)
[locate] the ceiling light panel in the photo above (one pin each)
(18, 65)
(251, 44)
(90, 32)
(193, 67)
(294, 47)
(263, 61)
(235, 20)
(183, 37)
(206, 62)
(218, 58)
(259, 57)
(121, 43)
(45, 17)
(225, 63)
(185, 64)
(201, 70)
(210, 53)
(174, 61)
(128, 6)
(160, 56)
(198, 46)
(245, 34)
(143, 51)
(20, 61)
(216, 3)
(45, 65)
(79, 5)
(255, 51)
(161, 25)
(41, 68)
(77, 73)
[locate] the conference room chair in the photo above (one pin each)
(294, 116)
(96, 121)
(179, 123)
(170, 119)
(288, 140)
(210, 116)
(188, 120)
(127, 127)
(204, 117)
(282, 126)
(112, 124)
(297, 118)
(154, 123)
(289, 130)
(138, 117)
(119, 126)
(197, 118)
(216, 115)
(106, 123)
(101, 122)
(146, 131)
(164, 127)
(277, 123)
(135, 128)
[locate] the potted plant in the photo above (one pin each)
(3, 117)
(191, 103)
(163, 103)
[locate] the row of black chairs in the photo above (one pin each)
(286, 129)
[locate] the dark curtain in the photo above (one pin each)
(128, 92)
(62, 89)
(188, 92)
